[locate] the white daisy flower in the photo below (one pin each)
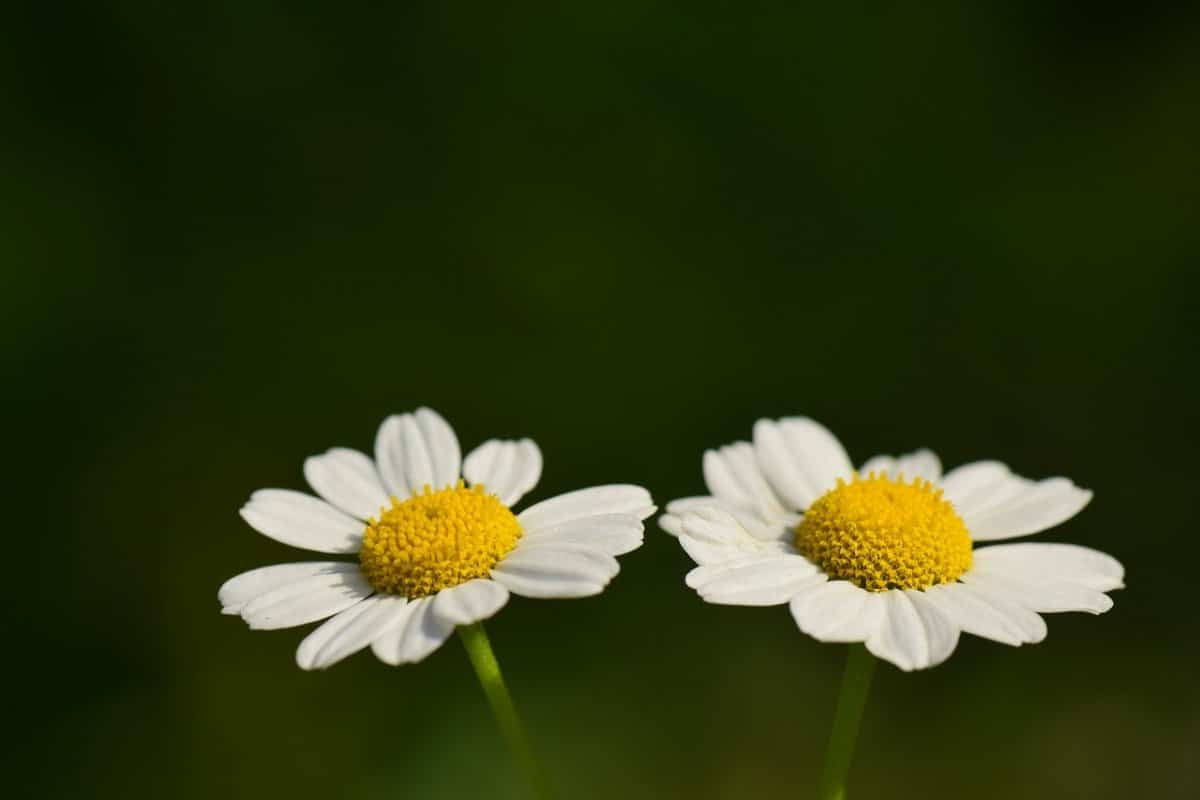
(434, 551)
(885, 555)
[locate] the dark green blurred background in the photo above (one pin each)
(236, 235)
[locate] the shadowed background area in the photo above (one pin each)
(236, 235)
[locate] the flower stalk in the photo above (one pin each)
(852, 699)
(487, 669)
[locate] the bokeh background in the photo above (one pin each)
(236, 234)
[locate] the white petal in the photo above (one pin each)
(1033, 627)
(386, 644)
(443, 447)
(689, 503)
(767, 581)
(919, 464)
(533, 570)
(1039, 562)
(772, 590)
(717, 526)
(1045, 598)
(980, 485)
(733, 475)
(306, 600)
(989, 618)
(749, 519)
(838, 611)
(772, 528)
(801, 459)
(302, 520)
(348, 480)
(615, 534)
(1035, 508)
(469, 602)
(506, 469)
(671, 524)
(348, 632)
(706, 553)
(412, 634)
(880, 465)
(712, 535)
(940, 630)
(236, 592)
(913, 634)
(416, 450)
(612, 499)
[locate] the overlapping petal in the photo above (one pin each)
(506, 469)
(302, 520)
(416, 450)
(922, 464)
(348, 480)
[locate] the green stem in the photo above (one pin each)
(479, 650)
(856, 681)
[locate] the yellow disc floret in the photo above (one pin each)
(436, 540)
(882, 534)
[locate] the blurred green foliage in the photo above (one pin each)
(236, 234)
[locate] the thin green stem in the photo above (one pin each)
(479, 650)
(856, 681)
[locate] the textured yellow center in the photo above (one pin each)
(436, 540)
(883, 534)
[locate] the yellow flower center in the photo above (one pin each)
(436, 540)
(883, 534)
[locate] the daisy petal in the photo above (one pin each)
(732, 474)
(615, 534)
(768, 581)
(1051, 563)
(386, 644)
(912, 634)
(671, 522)
(506, 469)
(941, 632)
(706, 553)
(974, 613)
(533, 570)
(689, 503)
(800, 458)
(412, 633)
(469, 602)
(443, 447)
(348, 480)
(1037, 507)
(612, 499)
(718, 527)
(838, 611)
(772, 528)
(306, 600)
(1033, 627)
(239, 590)
(302, 520)
(414, 451)
(1045, 598)
(919, 464)
(981, 485)
(712, 536)
(880, 465)
(704, 573)
(347, 633)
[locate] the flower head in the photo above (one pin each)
(884, 555)
(435, 549)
